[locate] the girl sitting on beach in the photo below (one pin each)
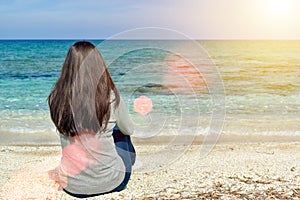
(94, 126)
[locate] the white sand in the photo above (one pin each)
(231, 171)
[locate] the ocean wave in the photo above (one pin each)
(28, 130)
(27, 76)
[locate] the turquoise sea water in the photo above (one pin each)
(261, 81)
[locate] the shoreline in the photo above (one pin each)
(44, 140)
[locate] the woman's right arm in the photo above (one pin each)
(123, 119)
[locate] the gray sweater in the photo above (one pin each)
(95, 165)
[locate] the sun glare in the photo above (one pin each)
(279, 8)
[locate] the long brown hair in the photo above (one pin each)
(80, 100)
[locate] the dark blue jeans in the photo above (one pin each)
(126, 151)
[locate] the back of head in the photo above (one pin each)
(80, 99)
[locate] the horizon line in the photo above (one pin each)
(203, 39)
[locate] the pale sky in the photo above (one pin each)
(199, 19)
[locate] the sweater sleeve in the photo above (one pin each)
(123, 120)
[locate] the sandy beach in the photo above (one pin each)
(232, 170)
